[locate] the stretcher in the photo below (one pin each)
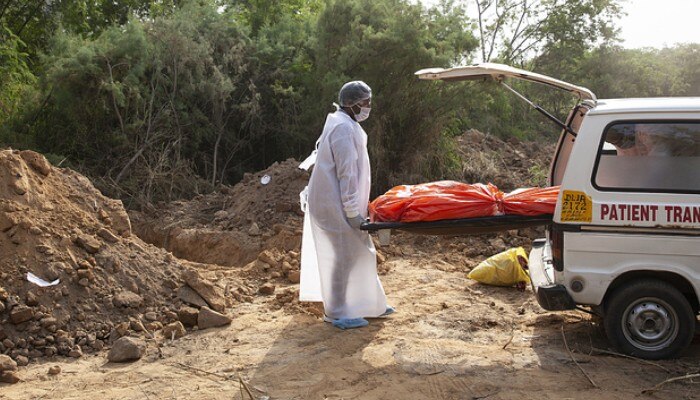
(466, 226)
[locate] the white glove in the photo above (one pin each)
(356, 221)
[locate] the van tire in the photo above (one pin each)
(649, 319)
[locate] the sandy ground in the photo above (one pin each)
(450, 339)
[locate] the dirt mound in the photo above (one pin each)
(508, 165)
(55, 225)
(232, 226)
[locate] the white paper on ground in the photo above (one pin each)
(40, 282)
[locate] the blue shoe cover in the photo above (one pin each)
(389, 310)
(350, 323)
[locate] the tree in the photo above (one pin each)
(34, 22)
(515, 30)
(552, 37)
(614, 72)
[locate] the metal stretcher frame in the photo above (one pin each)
(467, 226)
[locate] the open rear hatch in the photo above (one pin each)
(498, 73)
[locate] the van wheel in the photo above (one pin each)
(649, 319)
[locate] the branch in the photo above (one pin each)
(678, 378)
(495, 32)
(522, 51)
(574, 360)
(4, 8)
(191, 368)
(21, 10)
(523, 37)
(500, 20)
(519, 49)
(29, 18)
(481, 31)
(612, 353)
(512, 335)
(131, 161)
(43, 105)
(517, 30)
(147, 140)
(114, 98)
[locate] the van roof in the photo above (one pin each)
(647, 105)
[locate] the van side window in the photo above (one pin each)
(650, 157)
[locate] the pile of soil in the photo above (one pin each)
(235, 224)
(508, 165)
(55, 225)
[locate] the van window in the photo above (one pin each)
(649, 157)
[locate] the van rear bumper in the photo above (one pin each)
(555, 298)
(550, 296)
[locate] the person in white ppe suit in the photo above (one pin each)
(339, 261)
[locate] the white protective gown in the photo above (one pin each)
(338, 262)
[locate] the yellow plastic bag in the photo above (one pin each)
(502, 269)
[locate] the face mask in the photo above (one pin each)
(363, 114)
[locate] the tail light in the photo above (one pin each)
(556, 237)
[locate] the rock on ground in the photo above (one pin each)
(189, 296)
(9, 377)
(211, 319)
(21, 314)
(174, 331)
(188, 315)
(294, 276)
(126, 349)
(7, 364)
(267, 289)
(204, 289)
(127, 298)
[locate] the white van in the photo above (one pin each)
(625, 238)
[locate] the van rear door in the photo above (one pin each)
(498, 72)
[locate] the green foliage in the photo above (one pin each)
(283, 59)
(538, 175)
(262, 13)
(35, 22)
(161, 99)
(616, 72)
(15, 76)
